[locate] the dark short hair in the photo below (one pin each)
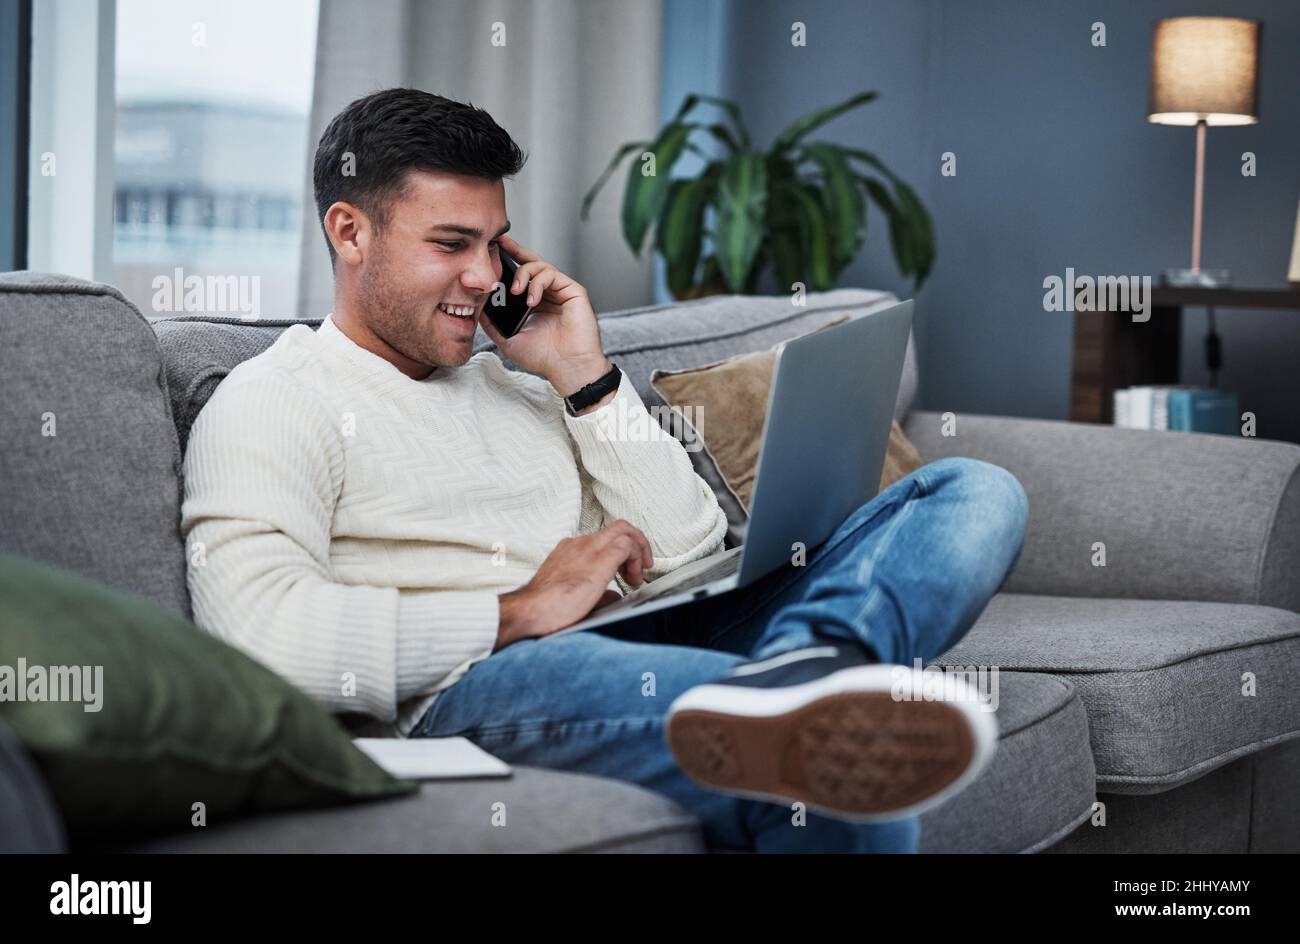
(391, 132)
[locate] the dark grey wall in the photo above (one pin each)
(1056, 166)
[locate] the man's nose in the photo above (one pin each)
(481, 274)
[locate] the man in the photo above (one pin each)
(396, 525)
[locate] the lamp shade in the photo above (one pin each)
(1204, 68)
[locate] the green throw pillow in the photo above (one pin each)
(156, 716)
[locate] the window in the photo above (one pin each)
(211, 154)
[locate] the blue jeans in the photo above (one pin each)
(906, 575)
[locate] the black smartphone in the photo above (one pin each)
(510, 317)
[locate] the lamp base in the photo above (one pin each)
(1193, 278)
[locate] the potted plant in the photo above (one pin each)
(800, 205)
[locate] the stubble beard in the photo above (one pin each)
(403, 319)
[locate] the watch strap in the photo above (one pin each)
(594, 391)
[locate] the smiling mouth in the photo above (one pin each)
(460, 312)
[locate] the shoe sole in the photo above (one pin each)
(843, 745)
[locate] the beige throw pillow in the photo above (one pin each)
(731, 396)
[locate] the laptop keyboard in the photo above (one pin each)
(724, 567)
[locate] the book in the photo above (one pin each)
(432, 758)
(1159, 407)
(1140, 407)
(1148, 406)
(1204, 411)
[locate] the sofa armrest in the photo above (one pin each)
(1183, 516)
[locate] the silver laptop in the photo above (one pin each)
(824, 439)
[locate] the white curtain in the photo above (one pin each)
(574, 80)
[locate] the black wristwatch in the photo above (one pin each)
(594, 391)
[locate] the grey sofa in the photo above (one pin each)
(1123, 723)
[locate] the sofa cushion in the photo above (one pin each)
(90, 464)
(151, 715)
(545, 810)
(1162, 680)
(200, 351)
(1040, 784)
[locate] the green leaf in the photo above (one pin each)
(900, 237)
(846, 208)
(783, 223)
(792, 135)
(869, 158)
(917, 227)
(787, 256)
(644, 197)
(591, 194)
(742, 206)
(815, 234)
(730, 107)
(922, 227)
(721, 132)
(781, 172)
(679, 235)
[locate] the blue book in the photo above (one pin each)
(1204, 411)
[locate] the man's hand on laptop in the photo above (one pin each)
(572, 580)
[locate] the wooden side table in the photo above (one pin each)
(1112, 351)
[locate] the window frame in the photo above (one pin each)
(15, 125)
(72, 109)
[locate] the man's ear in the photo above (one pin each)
(349, 231)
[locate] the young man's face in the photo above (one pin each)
(415, 262)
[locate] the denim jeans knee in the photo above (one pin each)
(990, 485)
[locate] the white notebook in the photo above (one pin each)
(432, 758)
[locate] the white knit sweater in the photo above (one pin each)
(351, 528)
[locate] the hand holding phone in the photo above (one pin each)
(509, 317)
(563, 342)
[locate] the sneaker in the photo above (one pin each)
(823, 726)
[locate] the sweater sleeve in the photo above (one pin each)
(262, 472)
(632, 469)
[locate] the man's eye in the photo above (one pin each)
(496, 247)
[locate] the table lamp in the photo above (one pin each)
(1204, 71)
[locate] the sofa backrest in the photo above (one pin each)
(200, 351)
(89, 460)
